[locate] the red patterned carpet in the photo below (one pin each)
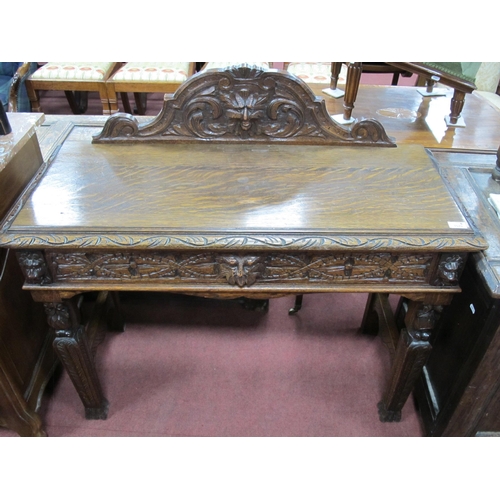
(187, 366)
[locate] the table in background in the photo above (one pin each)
(410, 118)
(459, 392)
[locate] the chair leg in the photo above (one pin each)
(33, 97)
(141, 102)
(457, 104)
(395, 79)
(108, 107)
(126, 103)
(78, 101)
(354, 70)
(336, 67)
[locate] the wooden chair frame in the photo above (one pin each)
(139, 89)
(72, 89)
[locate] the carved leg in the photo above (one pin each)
(412, 352)
(73, 349)
(354, 71)
(457, 104)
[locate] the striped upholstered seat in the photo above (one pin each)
(145, 77)
(75, 79)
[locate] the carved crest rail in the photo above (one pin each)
(244, 103)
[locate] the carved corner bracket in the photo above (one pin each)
(449, 270)
(34, 267)
(244, 103)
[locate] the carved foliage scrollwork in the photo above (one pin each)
(241, 269)
(244, 103)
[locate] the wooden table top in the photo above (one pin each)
(411, 118)
(392, 196)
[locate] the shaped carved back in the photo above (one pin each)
(244, 103)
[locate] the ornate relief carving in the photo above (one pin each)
(58, 317)
(449, 270)
(244, 103)
(424, 322)
(241, 269)
(234, 241)
(34, 268)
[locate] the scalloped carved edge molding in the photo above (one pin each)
(257, 242)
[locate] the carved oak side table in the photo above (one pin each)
(242, 186)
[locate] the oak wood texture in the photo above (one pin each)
(237, 219)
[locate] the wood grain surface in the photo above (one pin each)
(242, 187)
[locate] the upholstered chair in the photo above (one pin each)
(214, 65)
(142, 78)
(75, 79)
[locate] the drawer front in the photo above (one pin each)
(240, 269)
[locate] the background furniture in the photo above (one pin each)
(459, 76)
(384, 68)
(459, 392)
(13, 92)
(76, 79)
(27, 360)
(145, 77)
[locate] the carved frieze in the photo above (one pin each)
(244, 103)
(242, 270)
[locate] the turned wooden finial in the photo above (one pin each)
(496, 170)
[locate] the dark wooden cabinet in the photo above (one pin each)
(459, 391)
(27, 360)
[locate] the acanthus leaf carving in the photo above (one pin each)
(243, 103)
